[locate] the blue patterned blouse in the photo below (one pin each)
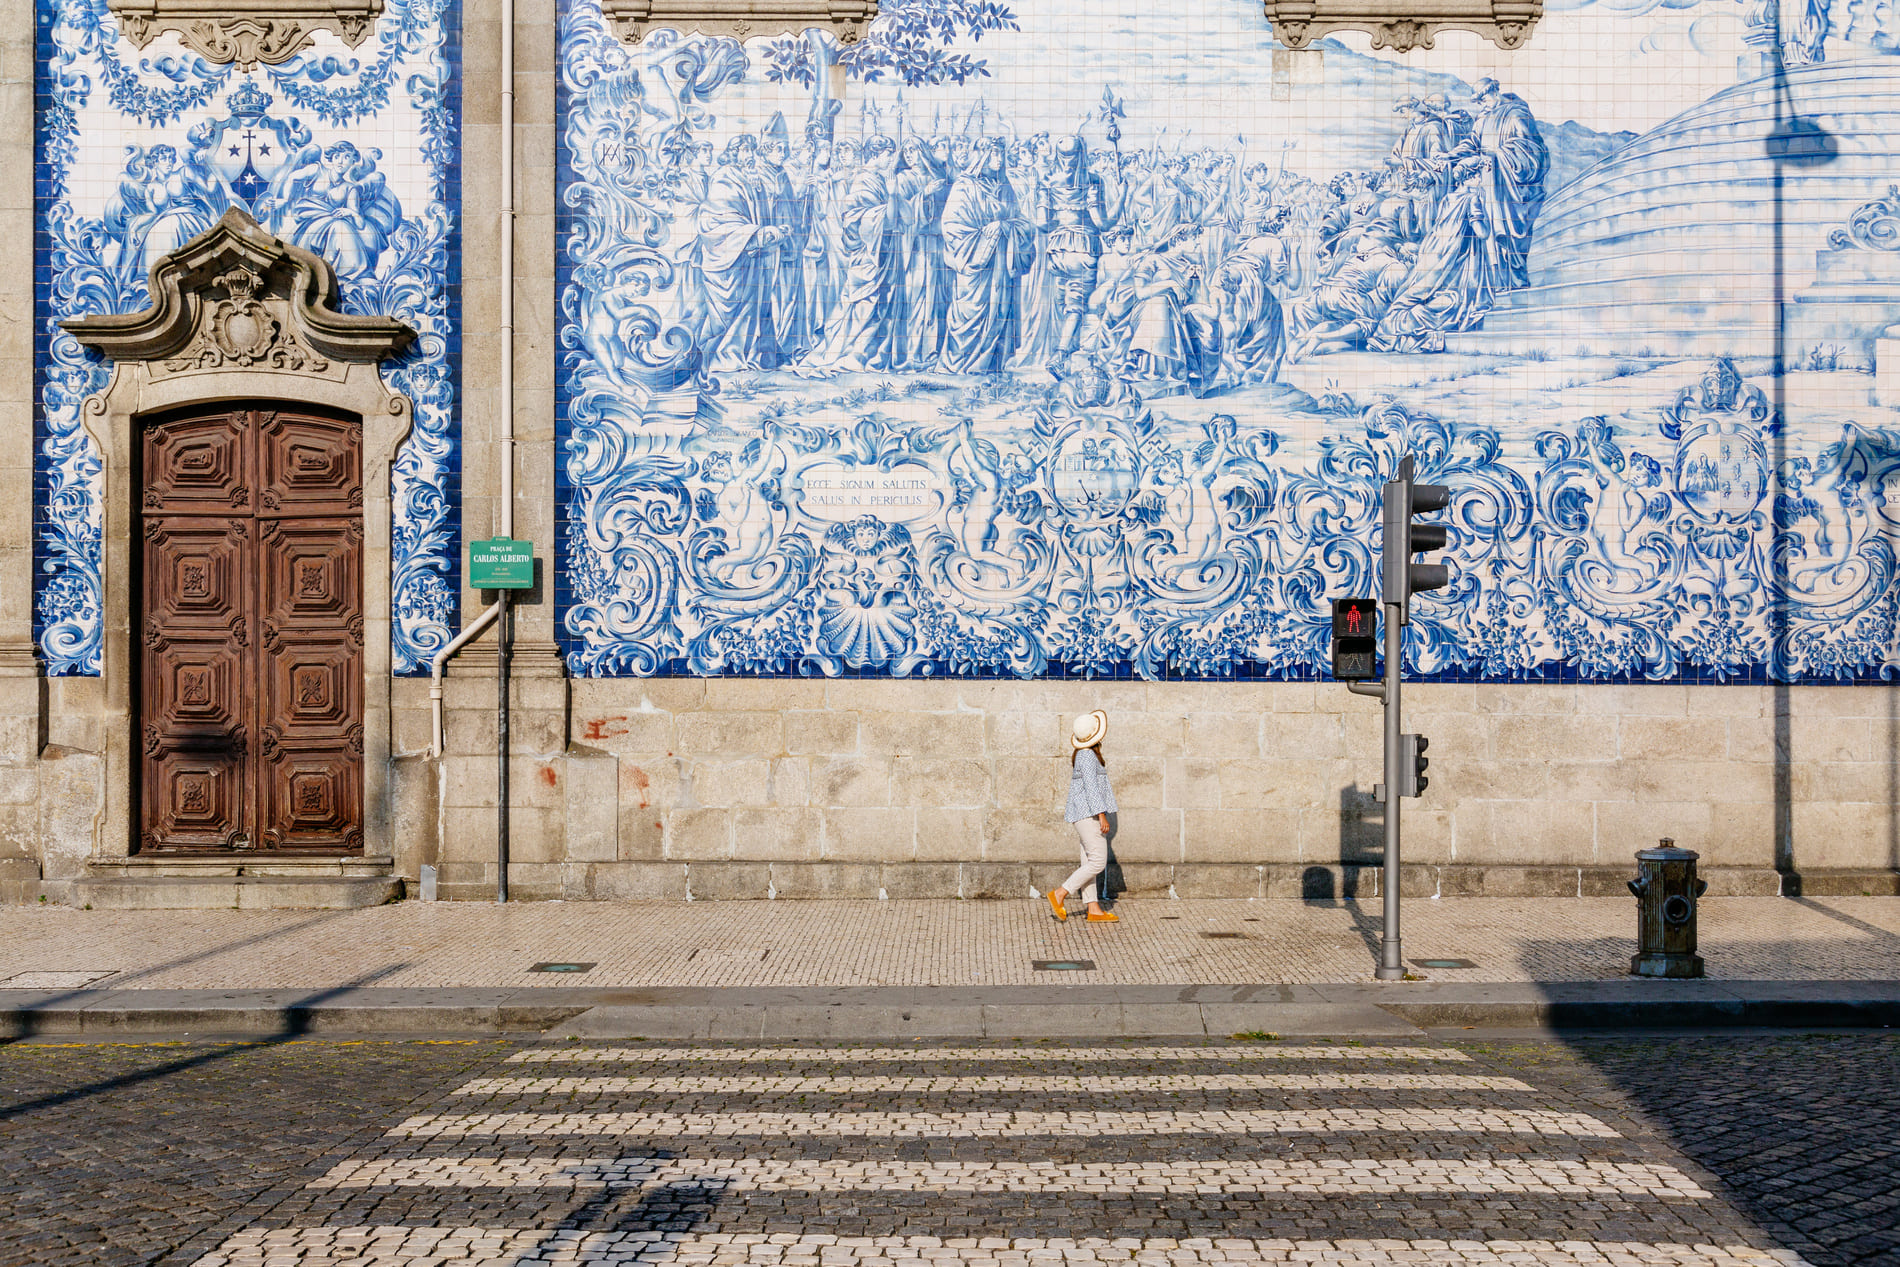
(1089, 793)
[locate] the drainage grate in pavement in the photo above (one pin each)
(562, 967)
(1062, 965)
(56, 979)
(1443, 963)
(1224, 936)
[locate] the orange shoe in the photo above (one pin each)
(1104, 917)
(1055, 904)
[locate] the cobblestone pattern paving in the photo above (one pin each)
(1716, 1151)
(827, 943)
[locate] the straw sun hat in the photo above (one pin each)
(1088, 729)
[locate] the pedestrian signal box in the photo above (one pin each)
(1355, 639)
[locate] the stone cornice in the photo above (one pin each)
(847, 20)
(246, 32)
(238, 295)
(1402, 25)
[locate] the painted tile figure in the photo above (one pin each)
(987, 242)
(1004, 371)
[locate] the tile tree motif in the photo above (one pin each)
(350, 153)
(1078, 339)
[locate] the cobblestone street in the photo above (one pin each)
(1708, 1150)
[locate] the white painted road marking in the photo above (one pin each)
(1343, 1177)
(1079, 1083)
(509, 1247)
(1004, 1124)
(938, 1055)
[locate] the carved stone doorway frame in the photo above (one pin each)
(239, 314)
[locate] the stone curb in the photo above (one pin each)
(745, 1014)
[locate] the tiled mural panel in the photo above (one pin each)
(351, 153)
(1073, 337)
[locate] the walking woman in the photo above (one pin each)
(1090, 803)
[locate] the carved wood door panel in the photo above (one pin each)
(251, 668)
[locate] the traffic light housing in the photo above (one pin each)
(1403, 578)
(1355, 639)
(1412, 778)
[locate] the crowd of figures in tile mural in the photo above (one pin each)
(1079, 338)
(351, 153)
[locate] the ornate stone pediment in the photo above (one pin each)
(1403, 25)
(741, 19)
(237, 297)
(246, 32)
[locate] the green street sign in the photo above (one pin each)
(501, 563)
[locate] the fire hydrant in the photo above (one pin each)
(1666, 890)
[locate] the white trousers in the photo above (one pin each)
(1094, 858)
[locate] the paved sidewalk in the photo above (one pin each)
(777, 970)
(856, 943)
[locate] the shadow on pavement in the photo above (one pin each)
(296, 1024)
(675, 1208)
(119, 981)
(1801, 1130)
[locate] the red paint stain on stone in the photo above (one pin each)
(638, 778)
(547, 775)
(605, 728)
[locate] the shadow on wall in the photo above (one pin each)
(1361, 846)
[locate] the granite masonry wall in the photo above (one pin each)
(748, 789)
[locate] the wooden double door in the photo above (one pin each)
(250, 687)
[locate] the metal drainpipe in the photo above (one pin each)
(505, 519)
(504, 631)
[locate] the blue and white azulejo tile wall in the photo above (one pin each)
(352, 153)
(1077, 338)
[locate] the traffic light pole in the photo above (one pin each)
(1400, 578)
(1391, 955)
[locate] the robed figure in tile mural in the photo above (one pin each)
(784, 260)
(1479, 246)
(738, 256)
(868, 327)
(989, 245)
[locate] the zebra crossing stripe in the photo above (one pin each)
(1003, 1124)
(776, 1084)
(496, 1247)
(1348, 1177)
(937, 1055)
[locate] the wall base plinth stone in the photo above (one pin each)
(215, 883)
(761, 881)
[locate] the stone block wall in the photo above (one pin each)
(729, 788)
